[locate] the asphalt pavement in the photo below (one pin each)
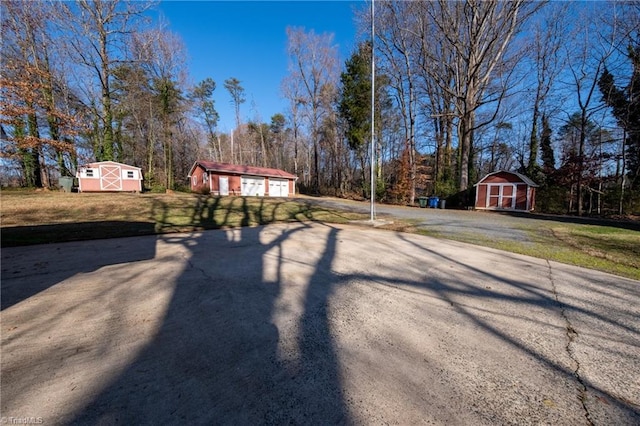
(448, 223)
(312, 324)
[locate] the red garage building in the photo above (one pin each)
(232, 179)
(504, 190)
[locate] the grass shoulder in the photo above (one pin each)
(603, 248)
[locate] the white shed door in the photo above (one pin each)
(223, 185)
(278, 188)
(252, 186)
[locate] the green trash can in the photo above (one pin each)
(66, 183)
(423, 202)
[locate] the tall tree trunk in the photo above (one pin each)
(105, 77)
(533, 138)
(582, 139)
(622, 175)
(465, 135)
(34, 157)
(448, 151)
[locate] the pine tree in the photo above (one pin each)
(625, 106)
(548, 156)
(355, 103)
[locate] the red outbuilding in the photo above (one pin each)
(109, 176)
(504, 190)
(232, 179)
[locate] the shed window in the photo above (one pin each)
(205, 176)
(88, 173)
(130, 174)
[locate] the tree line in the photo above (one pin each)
(462, 89)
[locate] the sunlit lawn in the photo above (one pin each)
(30, 217)
(604, 248)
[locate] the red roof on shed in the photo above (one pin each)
(243, 170)
(516, 175)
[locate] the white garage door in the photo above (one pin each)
(278, 188)
(252, 186)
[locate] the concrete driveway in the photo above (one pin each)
(313, 324)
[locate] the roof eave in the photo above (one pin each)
(241, 172)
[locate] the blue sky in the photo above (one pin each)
(247, 40)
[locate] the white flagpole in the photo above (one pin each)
(373, 85)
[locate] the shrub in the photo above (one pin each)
(157, 189)
(551, 199)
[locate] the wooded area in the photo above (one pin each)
(464, 88)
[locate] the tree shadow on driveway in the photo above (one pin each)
(596, 318)
(216, 357)
(277, 325)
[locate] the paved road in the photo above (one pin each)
(446, 222)
(450, 222)
(313, 324)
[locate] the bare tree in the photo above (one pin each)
(34, 93)
(623, 99)
(438, 85)
(261, 132)
(547, 62)
(396, 41)
(161, 54)
(313, 66)
(479, 34)
(593, 42)
(99, 41)
(292, 91)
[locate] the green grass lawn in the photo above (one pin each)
(604, 248)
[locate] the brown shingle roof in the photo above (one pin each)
(245, 170)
